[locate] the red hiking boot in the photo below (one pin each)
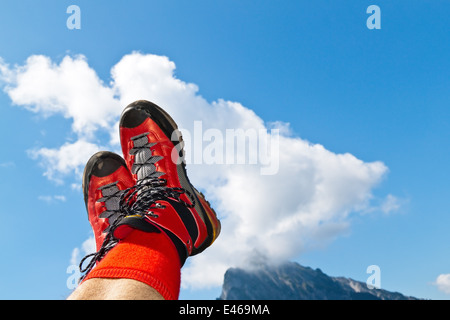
(164, 197)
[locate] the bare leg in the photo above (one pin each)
(114, 289)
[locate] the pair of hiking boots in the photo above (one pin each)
(148, 189)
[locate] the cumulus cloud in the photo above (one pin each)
(70, 88)
(306, 204)
(276, 194)
(443, 283)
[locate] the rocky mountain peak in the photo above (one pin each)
(291, 281)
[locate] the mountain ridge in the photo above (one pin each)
(291, 281)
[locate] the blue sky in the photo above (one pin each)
(379, 95)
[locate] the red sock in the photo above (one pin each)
(150, 258)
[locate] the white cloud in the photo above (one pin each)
(308, 201)
(67, 160)
(8, 164)
(388, 205)
(391, 204)
(443, 283)
(52, 199)
(71, 89)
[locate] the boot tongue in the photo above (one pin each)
(144, 162)
(146, 168)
